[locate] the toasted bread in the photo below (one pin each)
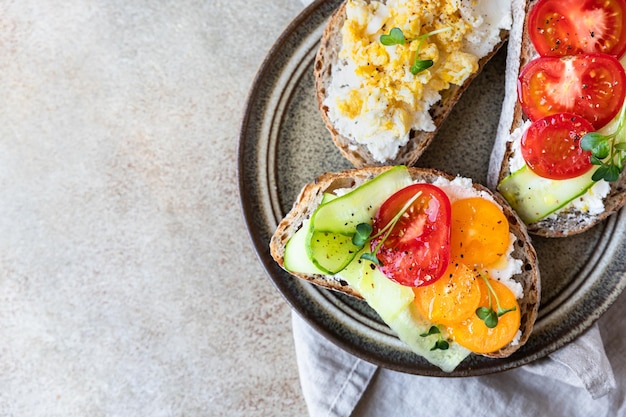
(312, 194)
(358, 154)
(519, 53)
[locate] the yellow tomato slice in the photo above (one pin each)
(453, 297)
(479, 232)
(473, 334)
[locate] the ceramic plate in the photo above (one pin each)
(284, 144)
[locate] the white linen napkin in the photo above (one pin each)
(583, 363)
(575, 381)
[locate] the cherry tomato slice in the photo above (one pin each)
(473, 334)
(417, 250)
(590, 85)
(452, 298)
(569, 27)
(551, 146)
(479, 234)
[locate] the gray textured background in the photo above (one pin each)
(128, 285)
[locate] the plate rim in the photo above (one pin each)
(272, 269)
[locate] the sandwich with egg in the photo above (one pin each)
(387, 73)
(445, 263)
(560, 149)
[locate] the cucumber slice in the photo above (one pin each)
(328, 197)
(385, 296)
(360, 205)
(534, 197)
(332, 225)
(296, 258)
(379, 290)
(330, 252)
(409, 325)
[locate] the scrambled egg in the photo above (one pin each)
(374, 97)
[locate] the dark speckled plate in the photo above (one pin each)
(284, 145)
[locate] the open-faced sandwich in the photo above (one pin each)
(445, 263)
(561, 144)
(387, 73)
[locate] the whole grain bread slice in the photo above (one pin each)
(311, 195)
(519, 53)
(358, 154)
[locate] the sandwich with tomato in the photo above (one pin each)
(560, 149)
(445, 263)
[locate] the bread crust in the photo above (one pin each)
(521, 52)
(311, 196)
(358, 154)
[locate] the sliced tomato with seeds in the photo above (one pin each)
(452, 298)
(551, 146)
(569, 27)
(473, 334)
(479, 234)
(417, 250)
(590, 85)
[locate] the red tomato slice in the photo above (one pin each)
(417, 251)
(590, 85)
(568, 27)
(551, 146)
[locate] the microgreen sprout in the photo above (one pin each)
(488, 315)
(364, 231)
(441, 343)
(396, 37)
(606, 151)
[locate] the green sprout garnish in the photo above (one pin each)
(607, 152)
(488, 315)
(440, 344)
(364, 231)
(371, 257)
(396, 37)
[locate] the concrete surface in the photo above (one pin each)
(128, 286)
